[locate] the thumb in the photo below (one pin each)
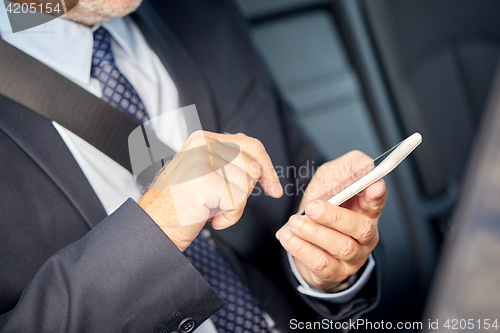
(373, 200)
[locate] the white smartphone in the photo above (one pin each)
(375, 170)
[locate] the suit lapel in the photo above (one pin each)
(180, 64)
(36, 136)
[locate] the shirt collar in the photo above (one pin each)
(64, 45)
(119, 28)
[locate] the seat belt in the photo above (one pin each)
(39, 88)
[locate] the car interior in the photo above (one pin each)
(466, 278)
(365, 74)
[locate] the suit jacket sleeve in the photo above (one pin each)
(125, 275)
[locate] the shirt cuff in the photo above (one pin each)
(338, 297)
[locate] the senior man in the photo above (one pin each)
(67, 267)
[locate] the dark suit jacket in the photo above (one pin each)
(67, 267)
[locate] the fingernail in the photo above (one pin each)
(384, 189)
(277, 232)
(296, 222)
(284, 234)
(315, 209)
(381, 192)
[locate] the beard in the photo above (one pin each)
(90, 12)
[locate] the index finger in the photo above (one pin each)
(254, 148)
(356, 225)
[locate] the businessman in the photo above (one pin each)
(76, 255)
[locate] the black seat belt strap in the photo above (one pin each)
(41, 89)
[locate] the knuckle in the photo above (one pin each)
(300, 249)
(321, 281)
(376, 238)
(316, 280)
(356, 153)
(348, 251)
(323, 167)
(367, 231)
(313, 229)
(200, 137)
(325, 273)
(257, 146)
(197, 135)
(322, 264)
(357, 159)
(322, 171)
(336, 215)
(379, 204)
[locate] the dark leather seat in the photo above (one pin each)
(364, 74)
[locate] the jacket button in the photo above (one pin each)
(187, 325)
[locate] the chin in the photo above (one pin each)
(111, 8)
(91, 12)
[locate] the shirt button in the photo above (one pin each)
(187, 325)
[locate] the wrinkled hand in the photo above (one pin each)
(191, 188)
(331, 243)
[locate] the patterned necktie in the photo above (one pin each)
(116, 89)
(242, 312)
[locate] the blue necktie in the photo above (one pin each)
(242, 312)
(116, 89)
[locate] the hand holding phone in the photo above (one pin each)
(332, 243)
(374, 171)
